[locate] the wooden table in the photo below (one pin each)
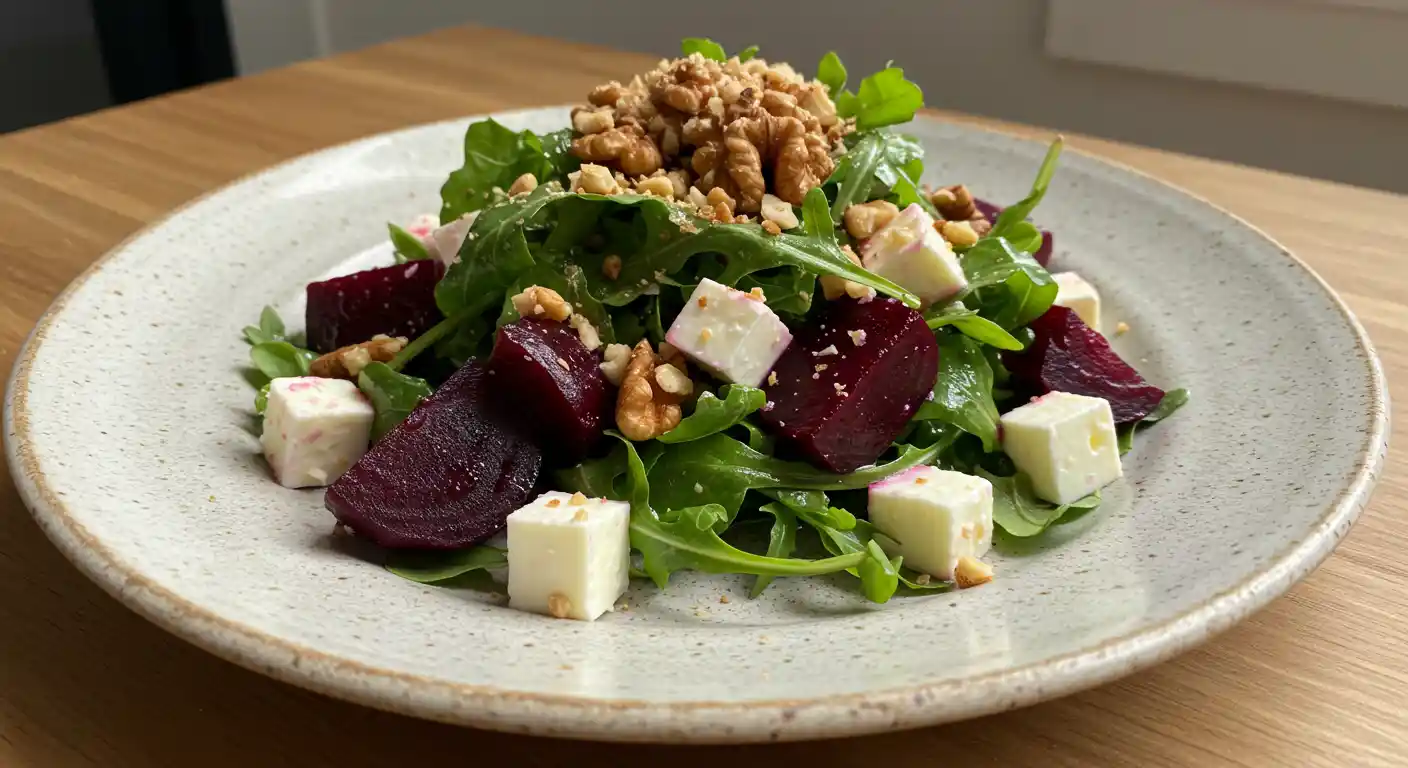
(1318, 678)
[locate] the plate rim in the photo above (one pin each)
(634, 720)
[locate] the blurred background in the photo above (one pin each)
(1312, 87)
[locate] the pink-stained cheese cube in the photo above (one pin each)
(422, 225)
(314, 429)
(911, 252)
(732, 334)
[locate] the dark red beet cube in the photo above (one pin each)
(447, 477)
(551, 382)
(1069, 356)
(397, 301)
(851, 380)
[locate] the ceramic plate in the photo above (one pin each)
(129, 432)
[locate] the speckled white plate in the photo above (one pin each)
(128, 432)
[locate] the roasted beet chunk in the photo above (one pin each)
(850, 381)
(446, 477)
(551, 382)
(1068, 356)
(396, 301)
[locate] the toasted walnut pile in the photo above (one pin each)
(652, 388)
(746, 129)
(346, 362)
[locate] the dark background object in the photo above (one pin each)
(151, 47)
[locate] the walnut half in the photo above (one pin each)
(644, 410)
(346, 362)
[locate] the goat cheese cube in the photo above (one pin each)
(1079, 296)
(314, 429)
(445, 241)
(1065, 443)
(569, 556)
(732, 334)
(422, 225)
(910, 252)
(934, 517)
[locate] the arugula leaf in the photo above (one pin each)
(280, 359)
(1020, 513)
(394, 395)
(747, 53)
(1173, 400)
(884, 98)
(715, 414)
(963, 391)
(432, 567)
(688, 540)
(880, 164)
(974, 326)
(879, 576)
(1013, 215)
(832, 73)
(704, 47)
(758, 440)
(569, 283)
(782, 541)
(261, 399)
(407, 246)
(493, 157)
(789, 290)
(595, 477)
(270, 328)
(813, 507)
(858, 540)
(1027, 289)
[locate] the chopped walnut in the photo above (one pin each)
(559, 605)
(660, 186)
(959, 233)
(779, 212)
(545, 303)
(834, 287)
(866, 219)
(626, 147)
(611, 267)
(679, 183)
(722, 204)
(346, 362)
(672, 380)
(971, 572)
(525, 183)
(770, 227)
(614, 361)
(955, 203)
(586, 332)
(644, 410)
(595, 179)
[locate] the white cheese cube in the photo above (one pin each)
(445, 241)
(569, 556)
(910, 252)
(314, 429)
(1065, 443)
(732, 334)
(934, 516)
(1079, 296)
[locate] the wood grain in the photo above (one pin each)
(1320, 678)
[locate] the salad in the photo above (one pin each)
(718, 324)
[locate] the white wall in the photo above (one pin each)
(986, 57)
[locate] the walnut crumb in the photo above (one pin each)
(346, 362)
(537, 301)
(580, 516)
(523, 184)
(703, 302)
(614, 361)
(920, 480)
(577, 500)
(772, 379)
(672, 380)
(757, 294)
(1121, 328)
(559, 605)
(706, 334)
(554, 503)
(857, 337)
(611, 267)
(922, 579)
(971, 572)
(771, 228)
(724, 599)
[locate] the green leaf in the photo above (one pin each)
(595, 477)
(1016, 508)
(974, 326)
(261, 400)
(884, 98)
(832, 73)
(963, 391)
(432, 567)
(407, 246)
(715, 414)
(280, 359)
(879, 577)
(394, 395)
(839, 542)
(494, 157)
(880, 164)
(704, 47)
(1173, 400)
(782, 541)
(270, 328)
(688, 540)
(1013, 215)
(747, 53)
(812, 506)
(1005, 285)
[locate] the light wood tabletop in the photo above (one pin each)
(1318, 678)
